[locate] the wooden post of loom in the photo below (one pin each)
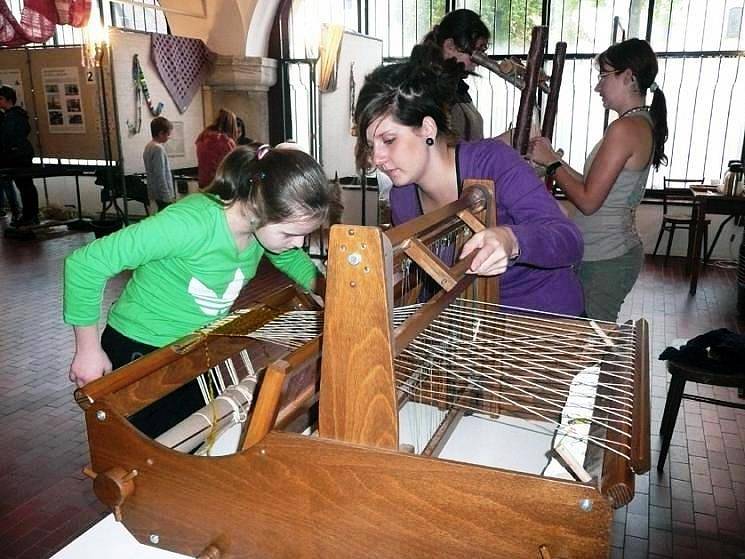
(527, 98)
(552, 101)
(358, 396)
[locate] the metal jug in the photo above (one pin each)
(732, 182)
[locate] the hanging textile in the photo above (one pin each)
(141, 89)
(73, 12)
(39, 19)
(183, 65)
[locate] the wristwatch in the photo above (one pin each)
(552, 167)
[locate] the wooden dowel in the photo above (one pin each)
(527, 98)
(552, 101)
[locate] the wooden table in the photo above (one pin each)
(707, 200)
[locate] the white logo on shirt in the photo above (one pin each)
(209, 302)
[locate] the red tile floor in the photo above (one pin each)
(696, 508)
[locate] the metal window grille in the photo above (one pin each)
(699, 47)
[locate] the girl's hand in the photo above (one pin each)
(90, 360)
(541, 151)
(495, 248)
(88, 366)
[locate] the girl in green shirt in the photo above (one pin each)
(190, 262)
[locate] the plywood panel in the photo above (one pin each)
(89, 143)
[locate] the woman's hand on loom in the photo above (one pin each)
(90, 360)
(541, 151)
(495, 248)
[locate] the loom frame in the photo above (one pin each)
(349, 492)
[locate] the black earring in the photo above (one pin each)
(430, 141)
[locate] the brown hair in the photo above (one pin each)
(160, 124)
(282, 185)
(408, 92)
(225, 123)
(637, 55)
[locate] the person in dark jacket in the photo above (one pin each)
(8, 194)
(17, 152)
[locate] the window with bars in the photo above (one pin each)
(699, 47)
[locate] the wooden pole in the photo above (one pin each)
(527, 98)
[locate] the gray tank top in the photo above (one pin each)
(611, 231)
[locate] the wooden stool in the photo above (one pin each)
(680, 373)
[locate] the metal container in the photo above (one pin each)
(732, 181)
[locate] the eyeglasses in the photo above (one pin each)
(603, 75)
(482, 49)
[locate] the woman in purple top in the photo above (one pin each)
(403, 125)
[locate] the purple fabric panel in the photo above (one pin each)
(183, 65)
(543, 277)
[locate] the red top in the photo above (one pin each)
(212, 147)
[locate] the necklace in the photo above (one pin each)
(633, 110)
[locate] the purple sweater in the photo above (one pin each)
(543, 277)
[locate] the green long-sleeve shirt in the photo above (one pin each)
(187, 272)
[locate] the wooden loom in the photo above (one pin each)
(349, 491)
(529, 77)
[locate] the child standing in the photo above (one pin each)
(158, 171)
(191, 261)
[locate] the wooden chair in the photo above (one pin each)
(676, 195)
(680, 373)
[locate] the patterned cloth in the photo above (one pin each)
(73, 12)
(183, 65)
(39, 19)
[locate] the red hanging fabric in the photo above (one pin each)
(80, 11)
(39, 18)
(73, 12)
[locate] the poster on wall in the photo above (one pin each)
(63, 104)
(175, 144)
(12, 78)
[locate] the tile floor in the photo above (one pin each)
(696, 508)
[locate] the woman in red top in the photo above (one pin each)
(214, 143)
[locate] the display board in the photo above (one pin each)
(67, 104)
(359, 55)
(187, 125)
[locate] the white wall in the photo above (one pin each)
(124, 45)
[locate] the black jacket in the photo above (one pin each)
(14, 131)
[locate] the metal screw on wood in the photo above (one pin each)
(585, 505)
(154, 539)
(354, 258)
(101, 415)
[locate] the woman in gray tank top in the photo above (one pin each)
(612, 183)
